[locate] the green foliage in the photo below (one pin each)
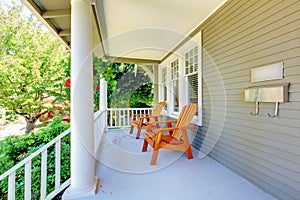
(143, 96)
(68, 75)
(13, 149)
(32, 64)
(125, 88)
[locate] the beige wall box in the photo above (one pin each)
(268, 72)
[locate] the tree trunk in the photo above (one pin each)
(31, 119)
(30, 123)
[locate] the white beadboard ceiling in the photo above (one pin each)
(134, 30)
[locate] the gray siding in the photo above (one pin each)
(242, 35)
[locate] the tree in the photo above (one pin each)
(32, 64)
(125, 88)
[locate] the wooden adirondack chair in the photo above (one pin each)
(140, 120)
(176, 139)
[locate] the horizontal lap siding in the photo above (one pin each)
(240, 36)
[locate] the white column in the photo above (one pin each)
(83, 180)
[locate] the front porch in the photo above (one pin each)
(126, 174)
(213, 49)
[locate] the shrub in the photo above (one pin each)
(13, 149)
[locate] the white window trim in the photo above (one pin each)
(183, 97)
(163, 86)
(196, 119)
(172, 98)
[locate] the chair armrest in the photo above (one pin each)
(192, 127)
(168, 129)
(156, 123)
(162, 122)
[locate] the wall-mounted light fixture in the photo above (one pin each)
(268, 72)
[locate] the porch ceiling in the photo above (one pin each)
(135, 31)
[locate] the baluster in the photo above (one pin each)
(27, 192)
(57, 163)
(128, 117)
(110, 117)
(119, 119)
(11, 186)
(44, 174)
(116, 118)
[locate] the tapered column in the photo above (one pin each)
(83, 181)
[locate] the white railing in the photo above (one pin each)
(11, 174)
(121, 117)
(110, 118)
(100, 126)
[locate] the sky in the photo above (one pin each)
(26, 12)
(9, 2)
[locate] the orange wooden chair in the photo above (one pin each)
(141, 120)
(176, 139)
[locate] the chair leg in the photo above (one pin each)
(138, 133)
(131, 129)
(189, 152)
(145, 145)
(154, 157)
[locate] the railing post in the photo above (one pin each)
(103, 100)
(103, 94)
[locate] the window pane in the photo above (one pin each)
(165, 96)
(174, 69)
(164, 75)
(195, 50)
(191, 69)
(191, 61)
(193, 89)
(176, 95)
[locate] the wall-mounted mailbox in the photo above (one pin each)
(271, 93)
(268, 93)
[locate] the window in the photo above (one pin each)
(180, 76)
(175, 85)
(191, 73)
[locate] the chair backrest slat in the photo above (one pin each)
(184, 119)
(157, 110)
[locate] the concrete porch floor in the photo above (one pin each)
(125, 173)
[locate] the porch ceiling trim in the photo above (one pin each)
(56, 13)
(132, 60)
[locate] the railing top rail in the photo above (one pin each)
(129, 108)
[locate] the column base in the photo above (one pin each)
(76, 193)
